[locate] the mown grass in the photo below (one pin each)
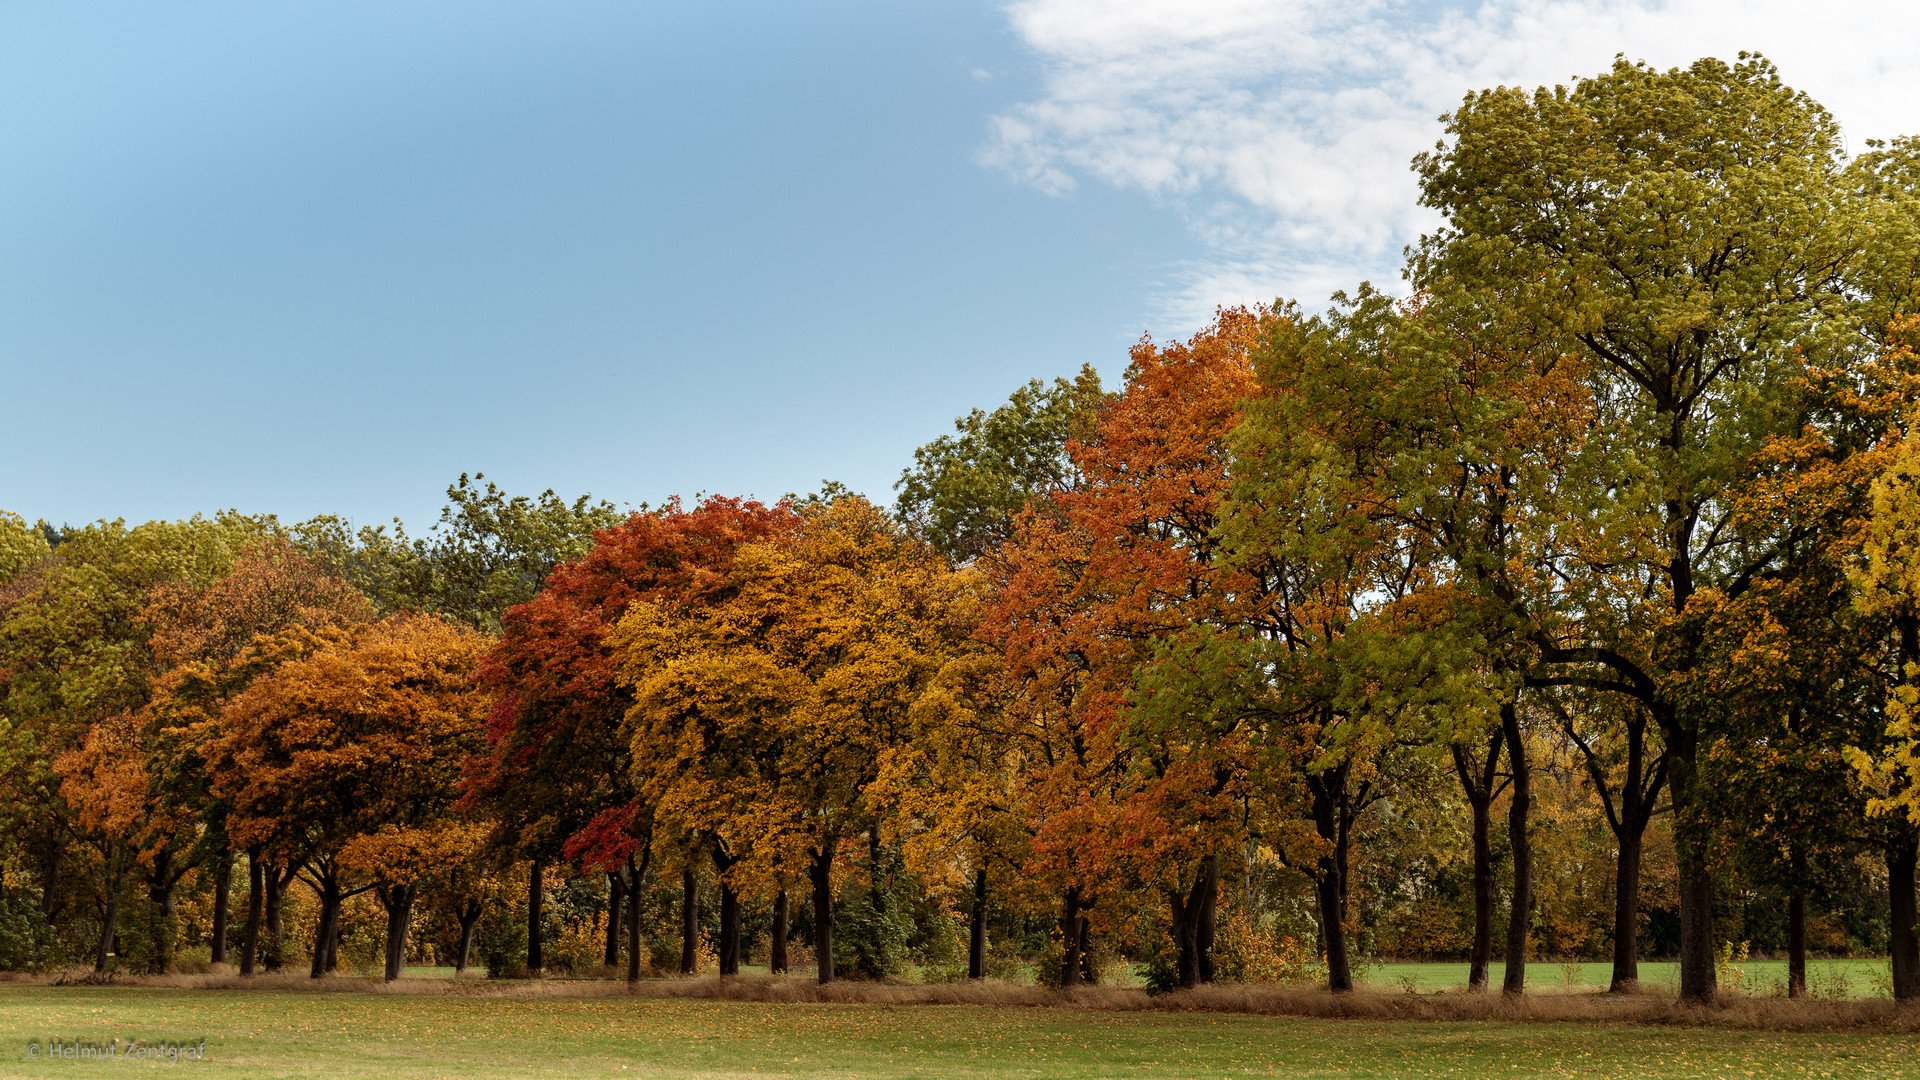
(273, 1033)
(1834, 979)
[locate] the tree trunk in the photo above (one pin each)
(536, 915)
(326, 933)
(1070, 937)
(399, 904)
(277, 882)
(1477, 780)
(1797, 944)
(160, 881)
(1902, 856)
(256, 906)
(977, 927)
(1185, 909)
(729, 912)
(616, 896)
(1626, 914)
(1203, 933)
(635, 886)
(1697, 979)
(1087, 974)
(333, 943)
(777, 948)
(822, 874)
(469, 916)
(689, 922)
(1333, 820)
(222, 897)
(110, 912)
(1520, 920)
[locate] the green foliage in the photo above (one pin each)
(27, 943)
(871, 942)
(965, 488)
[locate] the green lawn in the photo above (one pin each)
(1758, 978)
(292, 1034)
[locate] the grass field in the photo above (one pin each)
(1839, 979)
(293, 1034)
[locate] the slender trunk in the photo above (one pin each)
(326, 932)
(222, 890)
(1797, 944)
(821, 873)
(777, 948)
(637, 876)
(1332, 819)
(1477, 780)
(616, 896)
(160, 882)
(110, 912)
(729, 913)
(1070, 937)
(1087, 974)
(256, 906)
(469, 916)
(1482, 956)
(1902, 855)
(1185, 909)
(536, 915)
(729, 931)
(1520, 920)
(333, 942)
(689, 922)
(277, 882)
(977, 927)
(1626, 913)
(1203, 933)
(399, 904)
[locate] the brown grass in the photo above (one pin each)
(1730, 1010)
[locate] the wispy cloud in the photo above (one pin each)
(1283, 130)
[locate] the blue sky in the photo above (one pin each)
(308, 257)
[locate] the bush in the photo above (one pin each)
(869, 943)
(26, 941)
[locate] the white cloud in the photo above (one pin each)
(1283, 129)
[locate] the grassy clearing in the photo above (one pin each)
(294, 1034)
(1835, 979)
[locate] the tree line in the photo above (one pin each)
(1620, 500)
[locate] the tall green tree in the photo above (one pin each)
(1695, 235)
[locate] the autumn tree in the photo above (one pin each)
(556, 769)
(345, 758)
(1580, 206)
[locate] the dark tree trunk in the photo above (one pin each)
(333, 944)
(536, 915)
(729, 913)
(160, 882)
(1626, 914)
(1477, 781)
(277, 882)
(222, 897)
(1520, 920)
(616, 896)
(1087, 974)
(1902, 856)
(399, 904)
(821, 873)
(1070, 937)
(635, 890)
(469, 916)
(689, 922)
(1185, 908)
(777, 947)
(1203, 933)
(110, 911)
(977, 927)
(1697, 978)
(328, 930)
(1334, 812)
(1797, 944)
(256, 907)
